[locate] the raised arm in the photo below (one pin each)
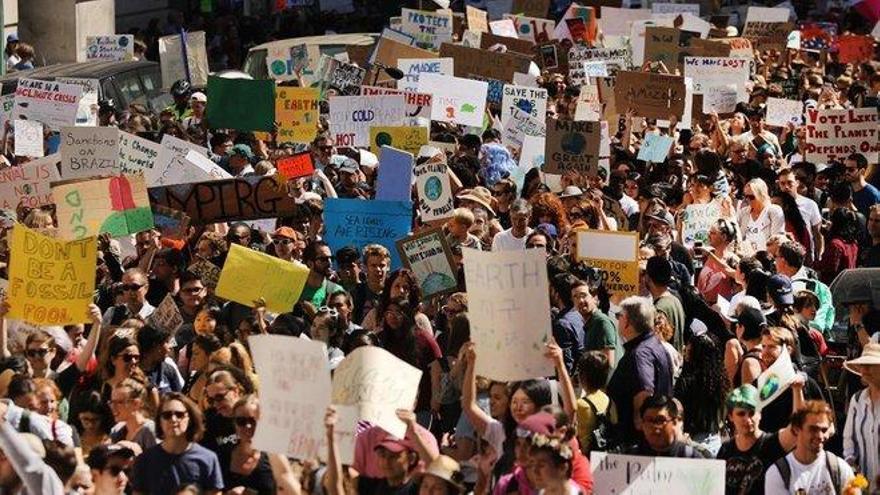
(334, 484)
(566, 387)
(477, 416)
(88, 350)
(4, 330)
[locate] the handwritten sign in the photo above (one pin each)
(28, 138)
(412, 68)
(655, 148)
(519, 126)
(616, 254)
(456, 100)
(430, 29)
(344, 78)
(352, 116)
(51, 282)
(29, 184)
(418, 105)
(650, 95)
(532, 101)
(477, 20)
(614, 58)
(52, 103)
(89, 152)
(503, 27)
(183, 167)
(572, 145)
(696, 220)
(638, 475)
(353, 222)
(87, 113)
(116, 47)
(294, 394)
(781, 112)
(137, 155)
(834, 134)
(766, 35)
(509, 312)
(533, 29)
(428, 256)
(114, 205)
(492, 65)
(296, 113)
(773, 381)
(433, 190)
(249, 276)
(406, 138)
(166, 316)
(720, 99)
(710, 72)
(298, 165)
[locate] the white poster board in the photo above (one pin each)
(115, 47)
(89, 152)
(28, 138)
(52, 103)
(532, 101)
(638, 475)
(87, 113)
(457, 100)
(413, 67)
(172, 62)
(781, 112)
(352, 116)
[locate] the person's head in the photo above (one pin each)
(319, 258)
(520, 214)
(180, 91)
(81, 483)
(528, 397)
(192, 291)
(128, 398)
(341, 301)
(550, 461)
(787, 181)
(22, 390)
(855, 168)
(222, 391)
(582, 296)
(755, 193)
(288, 243)
(742, 409)
(167, 264)
(790, 258)
(756, 121)
(109, 464)
(504, 192)
(806, 304)
(198, 101)
(48, 396)
(442, 477)
(203, 346)
(461, 222)
(245, 414)
(146, 240)
(239, 233)
(123, 356)
(593, 369)
(775, 340)
(396, 458)
(660, 416)
(40, 350)
(377, 260)
(134, 287)
(636, 317)
(750, 324)
(659, 272)
(207, 320)
(154, 343)
(179, 417)
(873, 222)
(322, 148)
(780, 291)
(812, 425)
(844, 225)
(348, 266)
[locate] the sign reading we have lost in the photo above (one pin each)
(510, 312)
(616, 254)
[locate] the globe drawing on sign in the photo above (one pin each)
(433, 188)
(770, 387)
(123, 41)
(524, 28)
(573, 143)
(525, 105)
(279, 67)
(383, 139)
(437, 282)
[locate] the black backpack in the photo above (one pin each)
(601, 437)
(831, 463)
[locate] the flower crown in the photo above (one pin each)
(559, 446)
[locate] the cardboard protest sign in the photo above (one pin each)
(428, 256)
(172, 224)
(493, 65)
(767, 14)
(409, 139)
(241, 104)
(509, 312)
(418, 105)
(28, 184)
(387, 53)
(696, 220)
(298, 165)
(766, 35)
(136, 154)
(503, 27)
(834, 134)
(532, 101)
(521, 46)
(533, 29)
(650, 95)
(51, 282)
(296, 113)
(352, 116)
(717, 71)
(615, 21)
(740, 48)
(720, 99)
(413, 67)
(572, 145)
(52, 103)
(171, 53)
(456, 100)
(114, 205)
(344, 78)
(395, 175)
(89, 152)
(430, 29)
(477, 20)
(589, 104)
(353, 222)
(28, 138)
(166, 316)
(116, 47)
(434, 191)
(773, 381)
(853, 49)
(631, 474)
(616, 254)
(531, 8)
(208, 272)
(614, 58)
(249, 276)
(781, 112)
(87, 112)
(675, 8)
(294, 394)
(244, 198)
(655, 148)
(378, 383)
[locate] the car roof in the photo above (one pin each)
(97, 69)
(329, 39)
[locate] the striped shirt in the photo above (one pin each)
(861, 435)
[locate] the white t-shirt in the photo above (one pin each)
(757, 231)
(505, 240)
(809, 211)
(814, 477)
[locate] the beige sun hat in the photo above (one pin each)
(448, 470)
(870, 356)
(479, 195)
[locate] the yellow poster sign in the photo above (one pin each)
(51, 282)
(296, 113)
(616, 254)
(250, 275)
(409, 139)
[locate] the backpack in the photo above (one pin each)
(601, 435)
(832, 464)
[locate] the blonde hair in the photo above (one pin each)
(379, 250)
(463, 216)
(759, 189)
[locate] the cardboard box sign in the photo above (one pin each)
(493, 65)
(524, 47)
(653, 96)
(245, 198)
(572, 145)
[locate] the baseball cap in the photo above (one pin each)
(99, 455)
(779, 288)
(548, 228)
(348, 166)
(199, 96)
(242, 150)
(752, 320)
(395, 445)
(285, 232)
(744, 397)
(12, 38)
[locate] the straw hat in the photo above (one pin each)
(479, 195)
(870, 356)
(447, 469)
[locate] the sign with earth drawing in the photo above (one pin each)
(428, 255)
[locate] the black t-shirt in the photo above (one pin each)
(219, 431)
(260, 480)
(776, 414)
(745, 470)
(379, 486)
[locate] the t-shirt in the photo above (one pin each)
(260, 480)
(745, 469)
(318, 295)
(756, 231)
(866, 197)
(506, 241)
(600, 333)
(814, 478)
(158, 472)
(145, 436)
(674, 311)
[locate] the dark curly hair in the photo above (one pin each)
(844, 225)
(703, 385)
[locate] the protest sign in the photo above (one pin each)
(418, 105)
(696, 220)
(340, 76)
(614, 58)
(430, 29)
(172, 65)
(720, 99)
(87, 112)
(29, 184)
(28, 138)
(428, 256)
(226, 200)
(664, 44)
(650, 95)
(589, 105)
(781, 112)
(298, 165)
(296, 113)
(740, 48)
(51, 282)
(456, 100)
(52, 103)
(655, 148)
(137, 155)
(477, 20)
(520, 125)
(596, 68)
(172, 224)
(854, 49)
(352, 116)
(183, 166)
(413, 67)
(116, 47)
(834, 134)
(585, 14)
(615, 21)
(616, 254)
(531, 8)
(767, 14)
(114, 205)
(281, 64)
(520, 46)
(433, 190)
(675, 8)
(166, 315)
(493, 65)
(572, 145)
(818, 36)
(409, 139)
(249, 276)
(89, 152)
(773, 381)
(395, 175)
(503, 27)
(353, 222)
(532, 101)
(766, 35)
(636, 475)
(294, 394)
(532, 29)
(387, 53)
(509, 312)
(8, 103)
(709, 72)
(241, 104)
(208, 272)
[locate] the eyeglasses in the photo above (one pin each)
(114, 470)
(131, 358)
(659, 420)
(131, 286)
(32, 353)
(168, 415)
(211, 400)
(326, 148)
(192, 290)
(245, 422)
(282, 240)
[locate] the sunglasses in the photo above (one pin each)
(328, 310)
(192, 290)
(282, 241)
(114, 470)
(216, 398)
(168, 415)
(131, 286)
(32, 353)
(325, 148)
(131, 358)
(245, 422)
